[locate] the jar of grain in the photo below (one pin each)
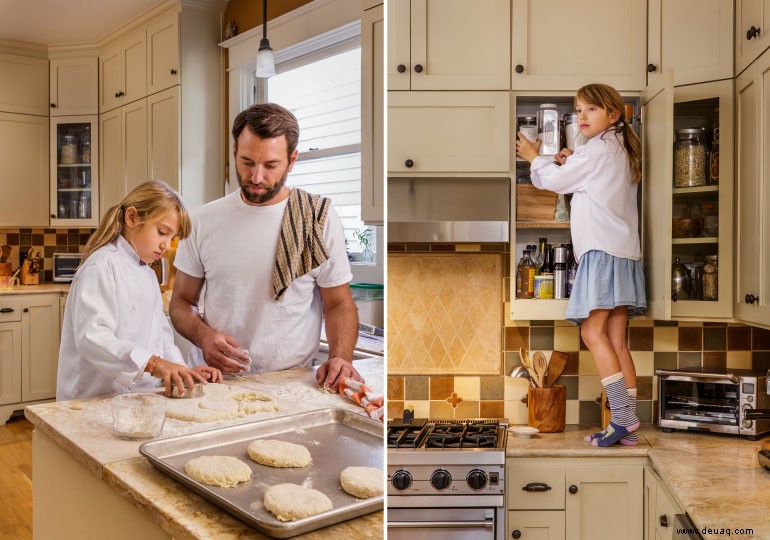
(711, 278)
(690, 158)
(69, 150)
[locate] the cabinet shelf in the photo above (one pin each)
(694, 192)
(705, 240)
(542, 224)
(75, 189)
(72, 165)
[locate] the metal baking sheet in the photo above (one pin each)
(336, 439)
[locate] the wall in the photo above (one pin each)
(46, 241)
(653, 345)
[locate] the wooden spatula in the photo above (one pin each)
(555, 367)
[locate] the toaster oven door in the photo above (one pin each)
(713, 404)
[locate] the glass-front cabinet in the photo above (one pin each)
(74, 171)
(688, 202)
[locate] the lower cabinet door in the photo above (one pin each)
(40, 347)
(10, 362)
(536, 525)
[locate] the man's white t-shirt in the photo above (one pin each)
(232, 246)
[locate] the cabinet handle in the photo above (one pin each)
(752, 32)
(516, 533)
(25, 310)
(651, 68)
(53, 105)
(573, 489)
(117, 94)
(750, 298)
(173, 72)
(7, 310)
(409, 163)
(519, 68)
(401, 68)
(418, 68)
(663, 520)
(536, 486)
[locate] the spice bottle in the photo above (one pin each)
(86, 154)
(714, 160)
(690, 154)
(711, 278)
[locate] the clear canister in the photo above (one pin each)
(690, 158)
(528, 127)
(571, 130)
(69, 150)
(548, 130)
(711, 278)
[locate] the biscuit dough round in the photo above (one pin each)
(190, 410)
(290, 501)
(251, 407)
(279, 453)
(362, 482)
(222, 471)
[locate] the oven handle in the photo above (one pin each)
(490, 523)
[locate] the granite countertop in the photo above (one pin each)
(716, 479)
(84, 429)
(42, 288)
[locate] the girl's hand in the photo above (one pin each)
(561, 157)
(212, 374)
(527, 149)
(180, 374)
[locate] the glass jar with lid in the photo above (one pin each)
(548, 129)
(690, 158)
(69, 150)
(528, 127)
(711, 278)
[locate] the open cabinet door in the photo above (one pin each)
(657, 182)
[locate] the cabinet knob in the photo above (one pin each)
(401, 68)
(409, 163)
(516, 533)
(663, 520)
(674, 297)
(573, 489)
(651, 68)
(53, 105)
(117, 94)
(53, 216)
(26, 310)
(173, 72)
(750, 299)
(418, 68)
(752, 32)
(519, 68)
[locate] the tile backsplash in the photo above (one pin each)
(46, 241)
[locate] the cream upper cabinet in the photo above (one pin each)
(74, 86)
(448, 132)
(448, 45)
(752, 88)
(694, 37)
(25, 185)
(752, 31)
(163, 64)
(553, 50)
(164, 136)
(372, 117)
(123, 71)
(29, 92)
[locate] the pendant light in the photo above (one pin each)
(265, 60)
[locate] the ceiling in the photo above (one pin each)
(61, 22)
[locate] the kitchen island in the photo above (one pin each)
(716, 479)
(88, 483)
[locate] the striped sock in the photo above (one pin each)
(632, 438)
(623, 417)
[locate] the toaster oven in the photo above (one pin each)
(722, 401)
(65, 265)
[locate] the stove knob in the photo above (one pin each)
(477, 479)
(401, 480)
(440, 479)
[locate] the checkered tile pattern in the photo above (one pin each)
(46, 241)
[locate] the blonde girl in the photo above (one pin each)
(116, 337)
(603, 176)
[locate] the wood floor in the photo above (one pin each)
(16, 479)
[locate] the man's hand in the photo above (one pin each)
(527, 149)
(334, 371)
(211, 374)
(223, 352)
(179, 373)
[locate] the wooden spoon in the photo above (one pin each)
(540, 364)
(527, 363)
(555, 367)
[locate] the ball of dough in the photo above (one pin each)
(222, 471)
(279, 453)
(290, 501)
(362, 482)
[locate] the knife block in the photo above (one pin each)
(547, 408)
(6, 269)
(28, 278)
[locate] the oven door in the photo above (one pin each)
(443, 524)
(700, 403)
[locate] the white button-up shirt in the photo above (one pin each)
(113, 323)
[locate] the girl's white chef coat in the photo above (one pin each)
(113, 323)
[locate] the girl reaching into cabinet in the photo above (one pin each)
(603, 176)
(115, 336)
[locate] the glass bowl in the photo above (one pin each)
(138, 416)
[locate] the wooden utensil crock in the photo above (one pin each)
(547, 408)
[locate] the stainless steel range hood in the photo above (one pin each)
(449, 209)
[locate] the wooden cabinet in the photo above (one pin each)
(660, 507)
(29, 350)
(29, 92)
(448, 132)
(752, 88)
(74, 86)
(551, 50)
(164, 136)
(24, 158)
(752, 31)
(448, 45)
(575, 498)
(163, 64)
(665, 110)
(694, 37)
(372, 117)
(123, 71)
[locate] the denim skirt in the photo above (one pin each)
(604, 281)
